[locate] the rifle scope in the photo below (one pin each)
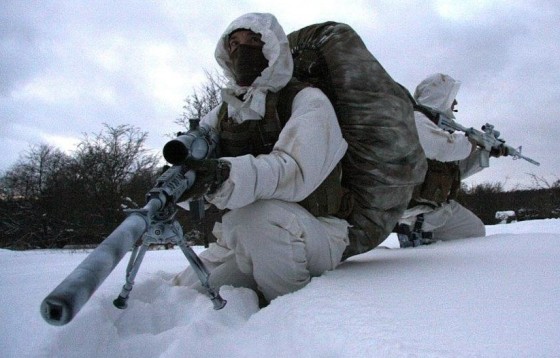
(196, 144)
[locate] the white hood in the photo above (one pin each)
(278, 73)
(438, 92)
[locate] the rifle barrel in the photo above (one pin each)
(66, 300)
(532, 161)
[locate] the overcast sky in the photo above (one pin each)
(67, 67)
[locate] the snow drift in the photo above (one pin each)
(493, 296)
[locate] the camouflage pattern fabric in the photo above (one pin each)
(384, 161)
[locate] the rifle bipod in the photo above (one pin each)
(169, 232)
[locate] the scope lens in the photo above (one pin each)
(175, 152)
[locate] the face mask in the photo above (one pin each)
(248, 63)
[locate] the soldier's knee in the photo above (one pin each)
(248, 215)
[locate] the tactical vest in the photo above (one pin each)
(442, 180)
(257, 137)
(440, 185)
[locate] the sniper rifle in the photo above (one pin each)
(155, 223)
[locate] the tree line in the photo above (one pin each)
(541, 201)
(51, 199)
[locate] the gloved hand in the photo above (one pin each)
(210, 174)
(473, 143)
(498, 151)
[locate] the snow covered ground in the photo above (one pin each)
(496, 296)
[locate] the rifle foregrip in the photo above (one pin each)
(66, 300)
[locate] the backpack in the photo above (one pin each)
(384, 160)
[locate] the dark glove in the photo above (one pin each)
(498, 151)
(210, 174)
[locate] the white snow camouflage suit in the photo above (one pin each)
(266, 240)
(449, 220)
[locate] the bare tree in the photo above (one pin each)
(105, 164)
(24, 212)
(33, 172)
(51, 198)
(203, 99)
(540, 182)
(112, 157)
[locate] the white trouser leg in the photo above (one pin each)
(453, 221)
(282, 245)
(220, 262)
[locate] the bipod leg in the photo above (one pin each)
(136, 258)
(203, 275)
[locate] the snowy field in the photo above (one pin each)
(497, 296)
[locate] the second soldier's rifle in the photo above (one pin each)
(487, 139)
(155, 223)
